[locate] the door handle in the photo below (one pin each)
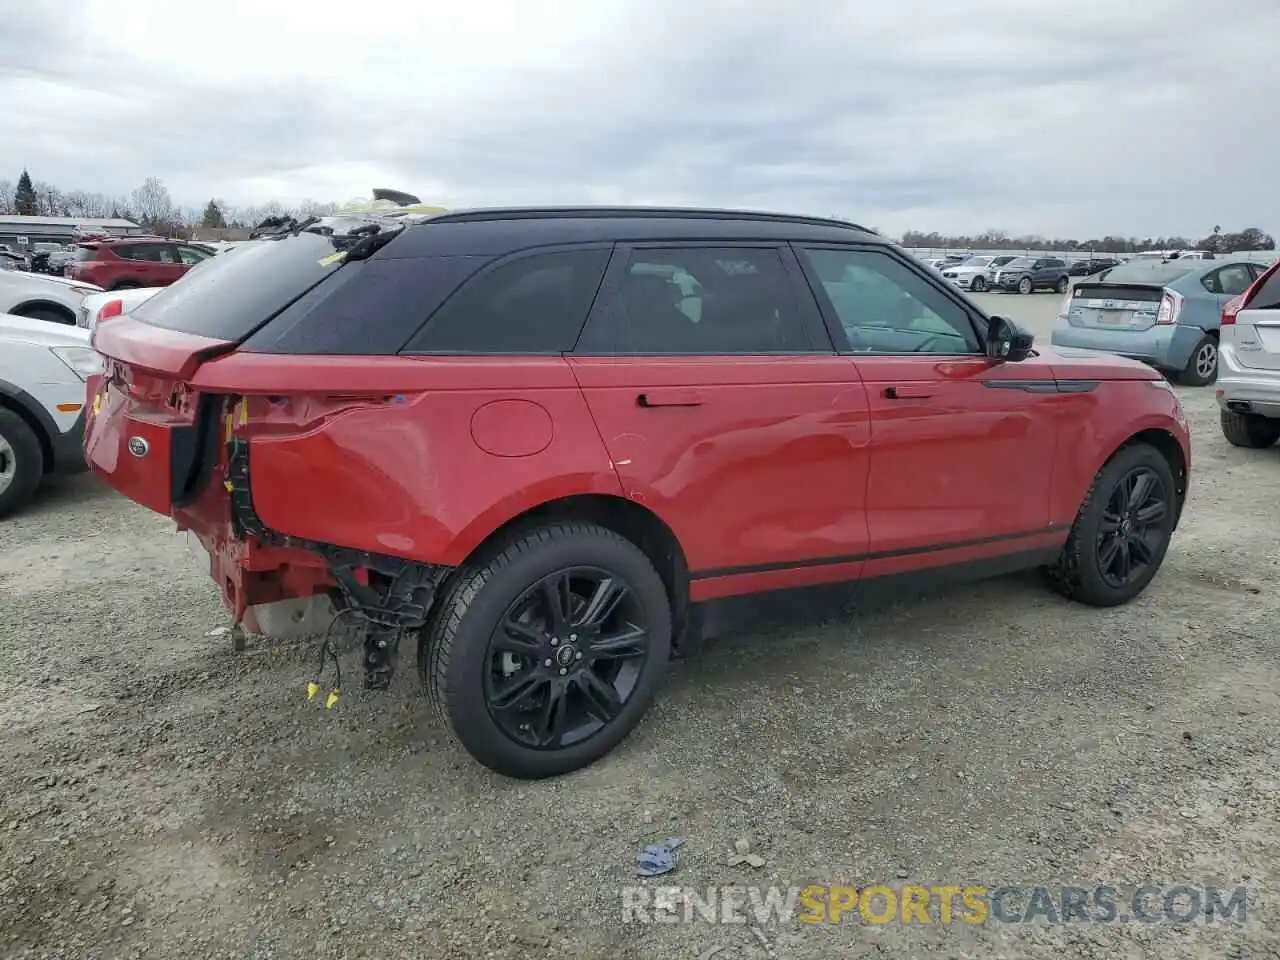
(906, 393)
(669, 398)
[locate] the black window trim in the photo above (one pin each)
(978, 322)
(495, 263)
(812, 324)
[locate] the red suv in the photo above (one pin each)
(536, 442)
(133, 262)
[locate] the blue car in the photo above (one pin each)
(1165, 313)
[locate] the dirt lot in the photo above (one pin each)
(161, 796)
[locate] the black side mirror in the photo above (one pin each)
(1007, 342)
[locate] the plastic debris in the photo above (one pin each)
(657, 858)
(742, 854)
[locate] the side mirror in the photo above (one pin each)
(1007, 342)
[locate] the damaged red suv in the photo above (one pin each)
(534, 443)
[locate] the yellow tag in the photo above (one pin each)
(333, 258)
(312, 689)
(244, 412)
(229, 426)
(97, 404)
(330, 700)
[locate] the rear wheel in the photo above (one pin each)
(1121, 532)
(978, 285)
(1024, 285)
(1202, 369)
(21, 462)
(1249, 429)
(49, 314)
(1061, 285)
(545, 657)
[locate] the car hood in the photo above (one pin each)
(1077, 363)
(42, 332)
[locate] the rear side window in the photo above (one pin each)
(86, 254)
(535, 303)
(1268, 295)
(228, 298)
(699, 300)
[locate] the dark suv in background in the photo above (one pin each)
(1025, 274)
(134, 262)
(1087, 268)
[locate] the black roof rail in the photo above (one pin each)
(675, 213)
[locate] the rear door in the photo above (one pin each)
(726, 411)
(962, 447)
(1257, 327)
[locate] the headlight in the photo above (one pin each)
(85, 362)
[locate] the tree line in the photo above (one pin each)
(149, 205)
(1250, 238)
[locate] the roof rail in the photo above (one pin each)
(699, 213)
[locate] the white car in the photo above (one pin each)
(34, 295)
(111, 303)
(1248, 386)
(43, 368)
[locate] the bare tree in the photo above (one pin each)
(152, 203)
(6, 198)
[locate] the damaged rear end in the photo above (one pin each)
(173, 414)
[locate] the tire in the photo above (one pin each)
(1249, 429)
(1202, 369)
(1025, 286)
(459, 665)
(978, 285)
(1062, 285)
(1082, 573)
(21, 462)
(48, 314)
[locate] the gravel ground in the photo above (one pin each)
(162, 796)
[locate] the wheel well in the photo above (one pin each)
(44, 305)
(46, 444)
(1171, 450)
(625, 518)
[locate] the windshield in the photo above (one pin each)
(1019, 262)
(978, 261)
(1149, 271)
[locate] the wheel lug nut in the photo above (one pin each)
(579, 656)
(547, 662)
(563, 671)
(573, 637)
(555, 642)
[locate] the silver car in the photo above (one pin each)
(1249, 364)
(977, 273)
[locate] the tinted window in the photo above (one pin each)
(1231, 281)
(228, 298)
(190, 255)
(699, 300)
(884, 307)
(85, 254)
(1055, 263)
(1019, 263)
(1268, 295)
(535, 303)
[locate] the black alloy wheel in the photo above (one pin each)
(566, 658)
(1133, 529)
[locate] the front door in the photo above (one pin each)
(962, 446)
(727, 412)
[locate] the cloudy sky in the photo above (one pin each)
(1067, 117)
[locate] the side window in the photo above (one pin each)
(699, 300)
(1233, 280)
(884, 307)
(127, 252)
(190, 255)
(535, 303)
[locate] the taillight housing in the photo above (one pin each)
(112, 308)
(1064, 309)
(1231, 308)
(1170, 307)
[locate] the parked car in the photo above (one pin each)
(13, 261)
(52, 299)
(134, 262)
(1025, 274)
(1165, 314)
(504, 434)
(977, 273)
(43, 368)
(1090, 267)
(1249, 363)
(111, 303)
(39, 256)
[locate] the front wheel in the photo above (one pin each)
(21, 462)
(1121, 532)
(542, 659)
(1024, 285)
(1249, 429)
(979, 285)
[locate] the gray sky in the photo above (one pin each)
(1068, 118)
